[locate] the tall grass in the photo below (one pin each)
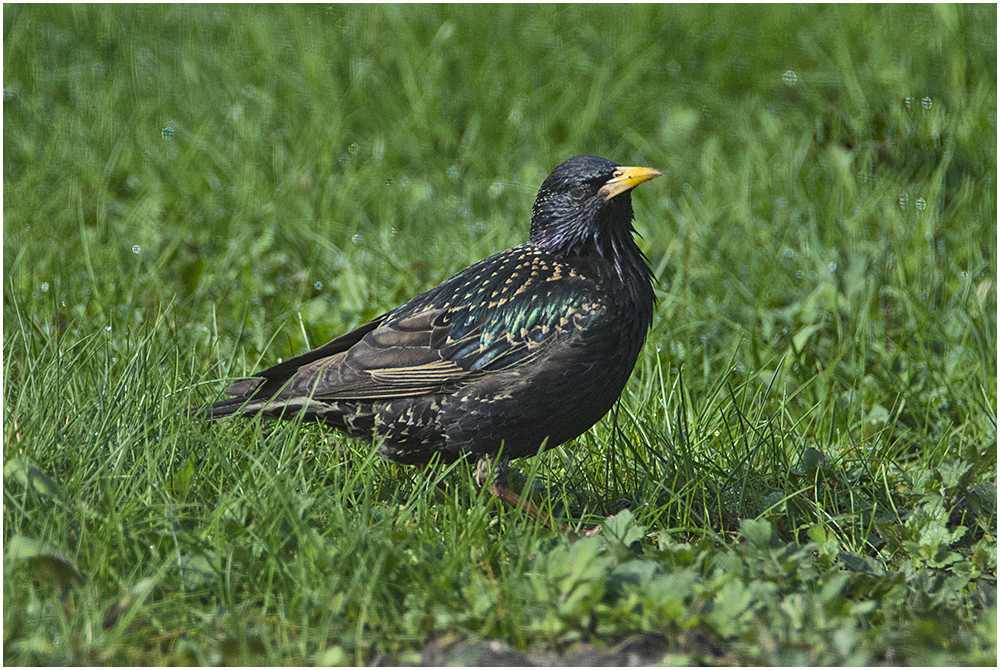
(801, 470)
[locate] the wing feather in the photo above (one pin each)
(462, 330)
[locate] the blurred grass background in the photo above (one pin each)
(194, 192)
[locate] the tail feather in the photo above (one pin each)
(240, 406)
(251, 406)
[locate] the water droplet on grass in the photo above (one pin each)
(927, 103)
(318, 286)
(136, 248)
(44, 287)
(789, 78)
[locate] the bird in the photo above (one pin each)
(518, 353)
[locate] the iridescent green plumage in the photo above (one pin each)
(530, 346)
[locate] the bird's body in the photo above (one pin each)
(531, 346)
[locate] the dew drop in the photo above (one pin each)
(833, 267)
(902, 201)
(108, 328)
(318, 286)
(927, 103)
(44, 287)
(789, 78)
(921, 204)
(356, 238)
(789, 253)
(799, 274)
(136, 248)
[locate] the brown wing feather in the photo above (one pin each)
(393, 360)
(436, 346)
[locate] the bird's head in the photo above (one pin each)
(586, 205)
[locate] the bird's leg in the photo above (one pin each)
(496, 482)
(423, 471)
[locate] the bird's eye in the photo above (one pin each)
(579, 192)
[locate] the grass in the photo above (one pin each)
(803, 466)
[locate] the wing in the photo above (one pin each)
(496, 315)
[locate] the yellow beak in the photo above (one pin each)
(626, 178)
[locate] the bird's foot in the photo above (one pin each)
(525, 505)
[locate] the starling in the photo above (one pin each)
(529, 347)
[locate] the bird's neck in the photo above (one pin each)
(618, 265)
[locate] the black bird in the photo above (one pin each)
(531, 346)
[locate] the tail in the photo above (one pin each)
(252, 397)
(245, 402)
(226, 408)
